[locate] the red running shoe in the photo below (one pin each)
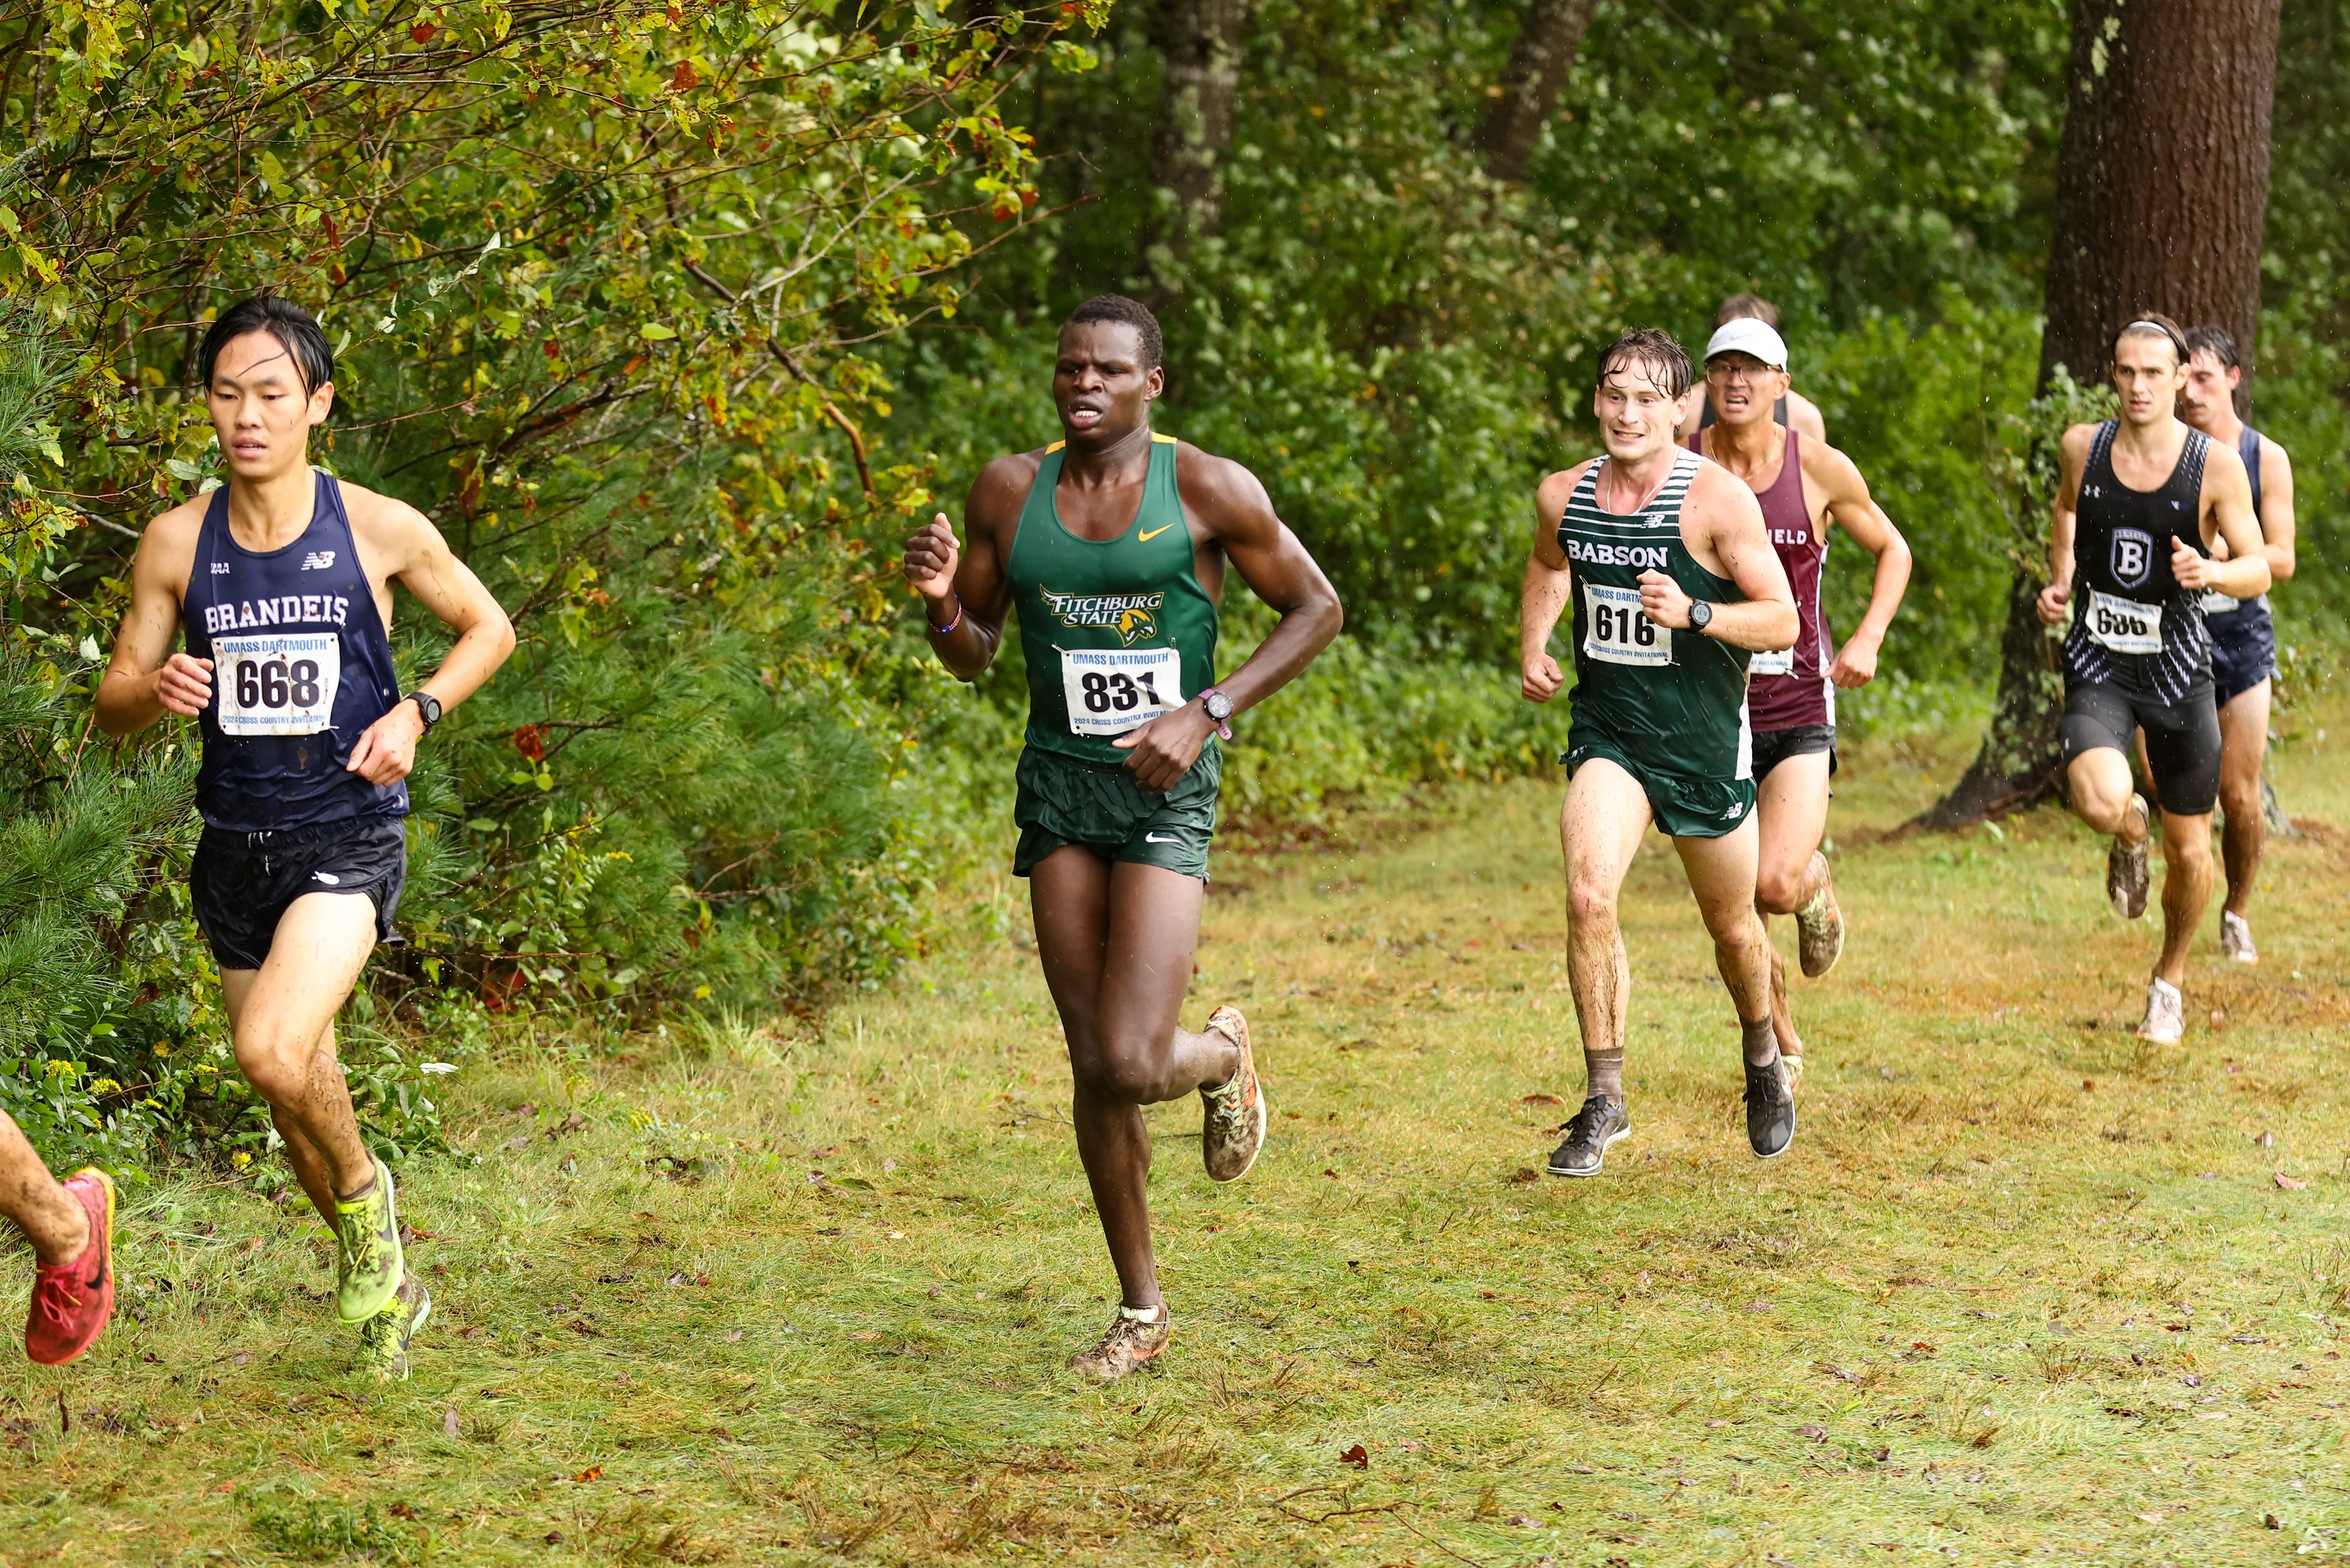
(72, 1301)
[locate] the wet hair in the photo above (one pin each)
(2154, 324)
(2218, 342)
(1133, 312)
(301, 337)
(1741, 307)
(1651, 349)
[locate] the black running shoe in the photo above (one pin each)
(1770, 1109)
(1594, 1130)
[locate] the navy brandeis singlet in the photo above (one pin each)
(300, 668)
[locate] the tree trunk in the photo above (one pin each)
(2161, 196)
(1200, 42)
(1548, 37)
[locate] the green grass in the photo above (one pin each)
(2025, 1290)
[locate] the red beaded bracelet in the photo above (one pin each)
(941, 631)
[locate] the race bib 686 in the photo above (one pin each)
(2124, 625)
(279, 683)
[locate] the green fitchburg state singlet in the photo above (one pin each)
(1115, 632)
(1673, 702)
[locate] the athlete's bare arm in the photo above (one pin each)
(1722, 524)
(397, 543)
(1227, 506)
(1549, 583)
(2228, 518)
(2063, 522)
(1847, 501)
(144, 678)
(2277, 527)
(972, 582)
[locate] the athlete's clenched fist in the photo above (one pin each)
(1540, 678)
(2189, 566)
(184, 685)
(931, 557)
(2051, 603)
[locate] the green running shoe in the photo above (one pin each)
(383, 1339)
(369, 1269)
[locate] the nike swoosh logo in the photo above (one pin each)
(1146, 538)
(1160, 838)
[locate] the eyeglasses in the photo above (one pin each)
(1727, 371)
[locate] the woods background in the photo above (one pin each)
(674, 315)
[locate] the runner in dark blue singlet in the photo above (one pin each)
(282, 580)
(2243, 636)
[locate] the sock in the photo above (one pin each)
(1603, 1073)
(1759, 1041)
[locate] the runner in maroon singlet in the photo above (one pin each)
(1793, 409)
(1802, 485)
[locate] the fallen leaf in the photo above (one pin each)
(1524, 1174)
(1717, 1423)
(2151, 1518)
(1356, 1456)
(1542, 1099)
(2266, 1139)
(449, 1422)
(2291, 1183)
(591, 1473)
(1818, 1434)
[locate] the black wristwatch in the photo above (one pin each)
(428, 708)
(1701, 615)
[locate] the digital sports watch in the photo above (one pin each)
(428, 707)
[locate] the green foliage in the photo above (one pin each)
(596, 276)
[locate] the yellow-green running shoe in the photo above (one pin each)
(368, 1269)
(383, 1339)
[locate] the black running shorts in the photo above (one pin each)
(2182, 738)
(1772, 747)
(2243, 651)
(242, 883)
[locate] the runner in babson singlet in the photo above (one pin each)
(1673, 587)
(2140, 502)
(1802, 485)
(1111, 546)
(1792, 408)
(282, 579)
(2243, 637)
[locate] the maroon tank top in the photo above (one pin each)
(1788, 690)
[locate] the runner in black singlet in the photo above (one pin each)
(282, 580)
(2141, 501)
(2243, 637)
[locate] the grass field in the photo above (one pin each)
(2024, 1290)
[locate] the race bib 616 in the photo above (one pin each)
(1617, 631)
(279, 683)
(2124, 625)
(1109, 691)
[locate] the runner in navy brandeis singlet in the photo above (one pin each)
(281, 579)
(2243, 638)
(1803, 486)
(2140, 503)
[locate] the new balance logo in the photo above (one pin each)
(318, 561)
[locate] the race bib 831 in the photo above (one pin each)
(1617, 631)
(2124, 625)
(1109, 691)
(279, 683)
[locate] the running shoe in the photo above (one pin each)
(73, 1300)
(1819, 926)
(1232, 1132)
(1137, 1334)
(2166, 1013)
(368, 1269)
(2235, 938)
(2126, 873)
(1770, 1109)
(1595, 1129)
(383, 1339)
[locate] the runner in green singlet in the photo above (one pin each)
(1674, 586)
(1112, 545)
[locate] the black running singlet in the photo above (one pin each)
(2133, 625)
(300, 668)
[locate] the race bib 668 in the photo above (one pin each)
(279, 683)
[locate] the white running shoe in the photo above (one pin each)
(2166, 1013)
(2235, 938)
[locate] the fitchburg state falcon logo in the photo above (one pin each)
(1133, 616)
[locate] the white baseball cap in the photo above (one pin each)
(1746, 335)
